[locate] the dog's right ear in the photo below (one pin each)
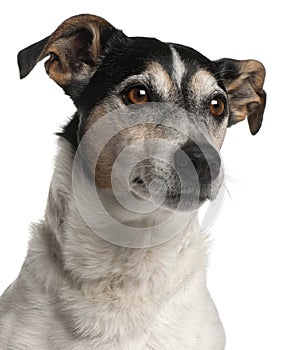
(74, 47)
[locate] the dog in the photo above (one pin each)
(119, 262)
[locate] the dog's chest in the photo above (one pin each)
(183, 321)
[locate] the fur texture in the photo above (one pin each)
(77, 290)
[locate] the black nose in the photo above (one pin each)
(204, 158)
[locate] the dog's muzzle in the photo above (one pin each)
(183, 182)
(204, 158)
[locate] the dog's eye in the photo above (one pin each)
(217, 107)
(137, 95)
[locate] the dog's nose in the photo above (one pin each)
(204, 158)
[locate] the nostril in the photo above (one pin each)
(205, 160)
(209, 171)
(205, 174)
(195, 163)
(138, 180)
(181, 159)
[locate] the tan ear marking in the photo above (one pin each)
(244, 83)
(74, 49)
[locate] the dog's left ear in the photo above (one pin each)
(74, 48)
(244, 84)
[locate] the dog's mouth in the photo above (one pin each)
(170, 194)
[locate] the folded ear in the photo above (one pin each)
(244, 84)
(74, 47)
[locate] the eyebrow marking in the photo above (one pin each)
(203, 83)
(154, 75)
(178, 67)
(160, 79)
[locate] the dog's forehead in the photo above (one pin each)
(179, 76)
(168, 63)
(167, 67)
(196, 75)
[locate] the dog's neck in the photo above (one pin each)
(93, 263)
(74, 265)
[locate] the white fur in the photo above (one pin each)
(178, 67)
(77, 291)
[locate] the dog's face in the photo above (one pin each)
(169, 105)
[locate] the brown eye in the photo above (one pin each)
(137, 95)
(217, 107)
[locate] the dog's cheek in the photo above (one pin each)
(220, 133)
(133, 141)
(103, 171)
(107, 159)
(216, 131)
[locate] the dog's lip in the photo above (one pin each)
(191, 196)
(135, 191)
(187, 196)
(173, 197)
(185, 202)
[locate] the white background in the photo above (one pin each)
(255, 260)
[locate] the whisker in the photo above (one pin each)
(227, 191)
(232, 179)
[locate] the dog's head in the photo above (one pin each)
(171, 106)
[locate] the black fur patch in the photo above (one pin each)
(69, 131)
(123, 58)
